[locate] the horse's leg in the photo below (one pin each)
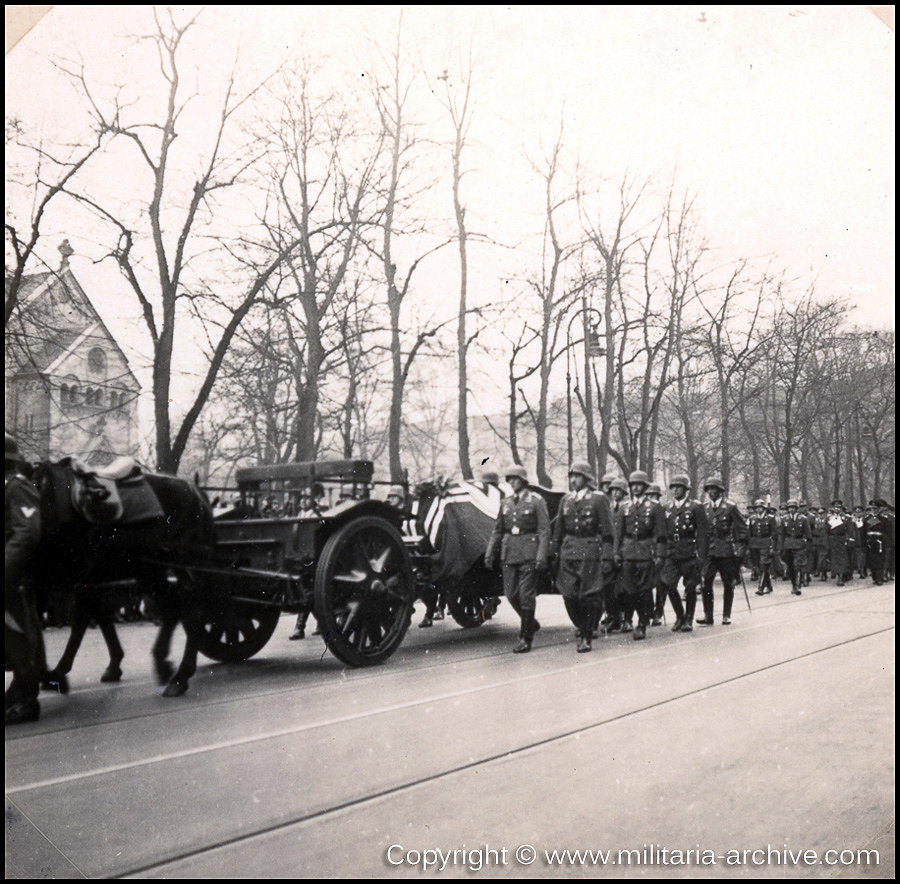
(179, 682)
(113, 671)
(55, 679)
(164, 669)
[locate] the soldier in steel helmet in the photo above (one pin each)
(762, 527)
(794, 536)
(640, 545)
(614, 600)
(583, 531)
(727, 545)
(687, 544)
(24, 642)
(521, 539)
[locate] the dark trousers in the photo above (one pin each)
(520, 586)
(728, 568)
(638, 579)
(795, 560)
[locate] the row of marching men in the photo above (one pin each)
(611, 548)
(836, 541)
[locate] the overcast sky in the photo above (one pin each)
(780, 118)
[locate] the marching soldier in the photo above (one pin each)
(794, 535)
(654, 493)
(24, 642)
(763, 530)
(728, 537)
(859, 522)
(807, 568)
(640, 546)
(819, 526)
(687, 546)
(878, 528)
(613, 598)
(521, 538)
(583, 533)
(841, 542)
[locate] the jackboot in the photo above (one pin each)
(526, 635)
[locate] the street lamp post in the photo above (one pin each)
(591, 348)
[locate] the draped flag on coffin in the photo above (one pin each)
(459, 526)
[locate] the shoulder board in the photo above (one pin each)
(730, 502)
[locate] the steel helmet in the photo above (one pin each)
(638, 476)
(516, 473)
(714, 482)
(655, 489)
(680, 479)
(608, 479)
(582, 468)
(490, 478)
(619, 483)
(396, 491)
(792, 503)
(758, 503)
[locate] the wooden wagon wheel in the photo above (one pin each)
(236, 630)
(474, 599)
(364, 591)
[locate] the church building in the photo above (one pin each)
(69, 389)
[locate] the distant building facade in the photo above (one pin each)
(69, 389)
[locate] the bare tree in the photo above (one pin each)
(163, 244)
(399, 195)
(457, 103)
(49, 176)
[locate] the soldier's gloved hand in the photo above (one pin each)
(491, 563)
(541, 564)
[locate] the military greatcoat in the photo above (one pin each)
(583, 537)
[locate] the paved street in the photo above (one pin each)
(773, 734)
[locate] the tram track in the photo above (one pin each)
(415, 668)
(357, 803)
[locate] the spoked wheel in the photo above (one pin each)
(238, 631)
(475, 599)
(364, 591)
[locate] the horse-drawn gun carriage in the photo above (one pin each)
(342, 557)
(298, 538)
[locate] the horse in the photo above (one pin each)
(451, 523)
(124, 529)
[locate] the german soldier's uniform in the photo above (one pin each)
(521, 537)
(819, 526)
(728, 537)
(763, 530)
(613, 598)
(842, 540)
(687, 546)
(640, 546)
(23, 639)
(859, 555)
(794, 536)
(877, 539)
(583, 538)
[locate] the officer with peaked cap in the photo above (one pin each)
(521, 538)
(842, 538)
(762, 527)
(794, 536)
(23, 639)
(687, 544)
(728, 538)
(583, 531)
